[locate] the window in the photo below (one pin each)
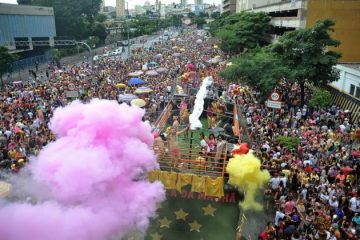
(357, 95)
(352, 89)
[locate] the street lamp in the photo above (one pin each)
(89, 49)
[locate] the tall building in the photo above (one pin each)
(102, 6)
(296, 14)
(183, 3)
(229, 6)
(120, 9)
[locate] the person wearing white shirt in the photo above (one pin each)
(275, 182)
(333, 202)
(354, 204)
(278, 216)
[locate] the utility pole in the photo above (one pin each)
(128, 29)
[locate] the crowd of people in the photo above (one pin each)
(314, 184)
(26, 107)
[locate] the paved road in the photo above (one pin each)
(23, 75)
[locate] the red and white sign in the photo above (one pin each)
(274, 101)
(275, 96)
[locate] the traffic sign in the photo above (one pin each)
(275, 96)
(273, 104)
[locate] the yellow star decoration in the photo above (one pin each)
(195, 226)
(181, 215)
(165, 222)
(209, 210)
(155, 236)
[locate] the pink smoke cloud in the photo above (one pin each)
(93, 172)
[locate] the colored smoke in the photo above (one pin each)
(245, 173)
(94, 173)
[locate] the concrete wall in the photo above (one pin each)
(346, 13)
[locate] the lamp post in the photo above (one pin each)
(128, 28)
(89, 49)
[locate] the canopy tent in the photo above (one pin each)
(142, 90)
(126, 97)
(138, 102)
(120, 85)
(136, 81)
(136, 74)
(162, 70)
(151, 73)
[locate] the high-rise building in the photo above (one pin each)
(183, 3)
(229, 6)
(120, 9)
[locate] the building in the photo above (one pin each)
(24, 28)
(184, 3)
(288, 15)
(229, 6)
(102, 6)
(120, 9)
(349, 81)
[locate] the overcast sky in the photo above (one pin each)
(132, 3)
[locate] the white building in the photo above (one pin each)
(349, 81)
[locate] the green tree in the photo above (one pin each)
(321, 98)
(6, 59)
(99, 31)
(288, 142)
(100, 18)
(306, 52)
(72, 18)
(259, 68)
(241, 31)
(215, 15)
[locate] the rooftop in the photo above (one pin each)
(14, 9)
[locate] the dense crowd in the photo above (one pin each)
(314, 184)
(26, 107)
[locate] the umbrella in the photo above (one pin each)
(5, 189)
(153, 63)
(136, 81)
(126, 97)
(158, 56)
(182, 49)
(162, 70)
(120, 85)
(176, 54)
(229, 64)
(216, 46)
(151, 73)
(141, 90)
(136, 74)
(199, 41)
(175, 47)
(138, 102)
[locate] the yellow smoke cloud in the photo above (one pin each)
(245, 174)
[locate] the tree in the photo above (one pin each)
(321, 98)
(241, 31)
(99, 31)
(72, 18)
(6, 59)
(215, 15)
(306, 52)
(260, 68)
(101, 18)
